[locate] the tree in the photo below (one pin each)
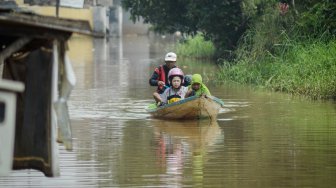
(223, 21)
(317, 17)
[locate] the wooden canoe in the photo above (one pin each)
(203, 107)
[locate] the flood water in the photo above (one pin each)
(261, 139)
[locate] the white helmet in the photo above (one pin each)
(171, 56)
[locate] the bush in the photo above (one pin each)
(307, 69)
(196, 47)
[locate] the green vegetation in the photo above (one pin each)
(307, 69)
(288, 52)
(196, 47)
(222, 22)
(282, 45)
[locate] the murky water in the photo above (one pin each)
(261, 139)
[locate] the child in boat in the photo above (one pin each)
(176, 91)
(197, 88)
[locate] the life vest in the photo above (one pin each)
(173, 98)
(162, 77)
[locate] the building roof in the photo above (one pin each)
(19, 22)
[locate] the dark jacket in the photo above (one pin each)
(160, 74)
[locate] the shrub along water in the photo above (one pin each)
(306, 69)
(287, 52)
(282, 50)
(301, 68)
(195, 47)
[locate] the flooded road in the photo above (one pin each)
(261, 139)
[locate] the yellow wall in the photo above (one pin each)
(19, 2)
(70, 13)
(80, 49)
(80, 46)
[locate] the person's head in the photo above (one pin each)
(170, 59)
(176, 82)
(196, 81)
(187, 79)
(175, 77)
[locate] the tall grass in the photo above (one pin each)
(274, 54)
(195, 47)
(306, 69)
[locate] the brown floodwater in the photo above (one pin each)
(260, 139)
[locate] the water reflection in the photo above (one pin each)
(182, 148)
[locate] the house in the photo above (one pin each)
(34, 54)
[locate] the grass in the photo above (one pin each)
(274, 54)
(271, 58)
(306, 69)
(195, 47)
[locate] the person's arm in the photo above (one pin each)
(164, 96)
(153, 81)
(206, 90)
(188, 94)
